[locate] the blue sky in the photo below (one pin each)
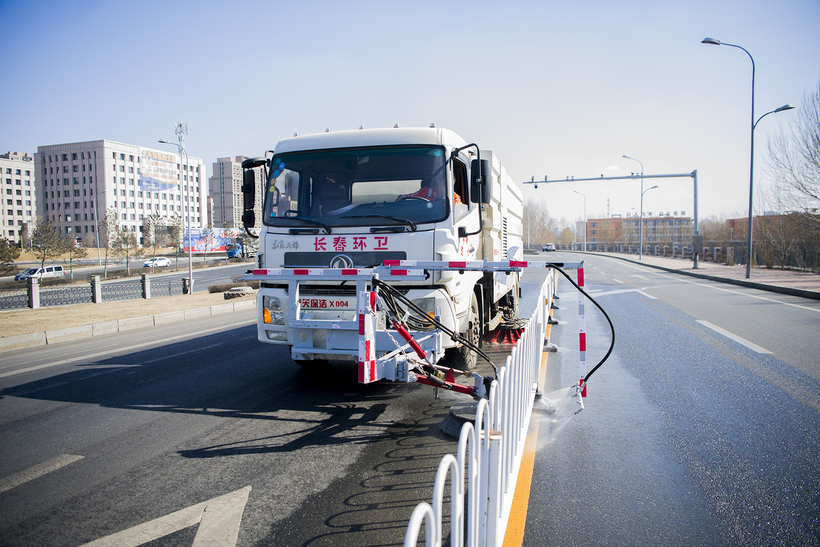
(553, 88)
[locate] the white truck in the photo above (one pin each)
(357, 199)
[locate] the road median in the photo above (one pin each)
(27, 328)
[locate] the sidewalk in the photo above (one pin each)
(53, 324)
(803, 284)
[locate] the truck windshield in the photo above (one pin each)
(385, 186)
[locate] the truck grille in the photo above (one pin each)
(323, 259)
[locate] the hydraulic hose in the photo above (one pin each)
(393, 295)
(611, 326)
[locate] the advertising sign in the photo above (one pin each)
(158, 171)
(209, 240)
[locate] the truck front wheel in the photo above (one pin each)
(464, 357)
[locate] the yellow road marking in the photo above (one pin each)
(514, 536)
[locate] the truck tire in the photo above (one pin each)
(465, 358)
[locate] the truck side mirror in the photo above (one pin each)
(248, 198)
(481, 185)
(249, 190)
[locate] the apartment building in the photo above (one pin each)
(225, 188)
(17, 185)
(78, 182)
(662, 229)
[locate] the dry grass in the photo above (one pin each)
(29, 321)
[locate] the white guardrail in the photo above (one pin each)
(490, 450)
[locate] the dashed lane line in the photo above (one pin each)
(736, 338)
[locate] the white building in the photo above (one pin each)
(18, 189)
(79, 181)
(225, 188)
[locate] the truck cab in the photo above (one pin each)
(355, 199)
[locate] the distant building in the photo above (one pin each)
(79, 181)
(670, 229)
(225, 188)
(19, 196)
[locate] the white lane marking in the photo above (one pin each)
(623, 291)
(715, 285)
(736, 338)
(37, 471)
(218, 518)
(701, 284)
(650, 277)
(164, 357)
(117, 350)
(617, 281)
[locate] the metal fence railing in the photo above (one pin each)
(167, 288)
(484, 472)
(36, 296)
(121, 291)
(10, 300)
(66, 295)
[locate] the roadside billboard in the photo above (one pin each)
(158, 171)
(210, 240)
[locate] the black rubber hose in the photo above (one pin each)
(453, 335)
(611, 326)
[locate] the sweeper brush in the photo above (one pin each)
(505, 333)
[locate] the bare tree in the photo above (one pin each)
(539, 226)
(794, 158)
(174, 230)
(47, 241)
(107, 228)
(74, 251)
(125, 244)
(154, 232)
(567, 236)
(8, 254)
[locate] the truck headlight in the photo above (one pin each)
(428, 305)
(272, 310)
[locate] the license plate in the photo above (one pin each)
(327, 303)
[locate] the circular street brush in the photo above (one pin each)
(506, 333)
(460, 414)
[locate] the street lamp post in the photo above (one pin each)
(180, 129)
(640, 228)
(585, 218)
(640, 253)
(749, 254)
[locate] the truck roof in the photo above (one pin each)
(371, 137)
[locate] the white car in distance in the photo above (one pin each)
(157, 262)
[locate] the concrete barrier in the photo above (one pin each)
(23, 341)
(68, 333)
(106, 327)
(169, 317)
(136, 323)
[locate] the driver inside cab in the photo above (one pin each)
(432, 189)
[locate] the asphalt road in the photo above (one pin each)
(691, 435)
(143, 426)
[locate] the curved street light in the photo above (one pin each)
(640, 227)
(749, 254)
(640, 254)
(187, 219)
